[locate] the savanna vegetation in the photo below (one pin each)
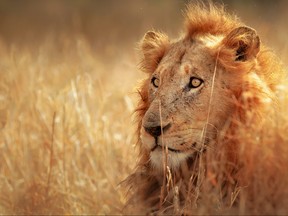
(68, 78)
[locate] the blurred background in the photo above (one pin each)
(68, 72)
(113, 27)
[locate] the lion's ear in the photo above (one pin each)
(153, 46)
(244, 41)
(238, 50)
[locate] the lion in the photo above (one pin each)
(200, 88)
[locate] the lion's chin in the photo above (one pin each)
(174, 159)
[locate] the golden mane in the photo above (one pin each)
(253, 91)
(201, 18)
(212, 19)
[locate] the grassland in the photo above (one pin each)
(66, 134)
(67, 95)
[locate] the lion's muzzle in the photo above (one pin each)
(157, 131)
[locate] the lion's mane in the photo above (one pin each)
(215, 179)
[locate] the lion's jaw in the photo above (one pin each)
(160, 154)
(177, 123)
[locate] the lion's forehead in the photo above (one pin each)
(186, 58)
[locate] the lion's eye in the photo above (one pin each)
(155, 82)
(195, 82)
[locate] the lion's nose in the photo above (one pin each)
(157, 131)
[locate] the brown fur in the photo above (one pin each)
(251, 73)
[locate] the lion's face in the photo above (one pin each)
(188, 102)
(179, 96)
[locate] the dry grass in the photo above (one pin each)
(66, 138)
(66, 132)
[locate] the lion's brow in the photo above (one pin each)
(182, 54)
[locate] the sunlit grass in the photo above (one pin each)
(66, 136)
(67, 132)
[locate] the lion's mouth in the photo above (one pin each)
(160, 146)
(170, 149)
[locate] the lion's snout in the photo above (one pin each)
(156, 131)
(153, 124)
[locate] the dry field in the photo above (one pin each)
(68, 72)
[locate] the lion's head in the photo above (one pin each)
(197, 88)
(190, 94)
